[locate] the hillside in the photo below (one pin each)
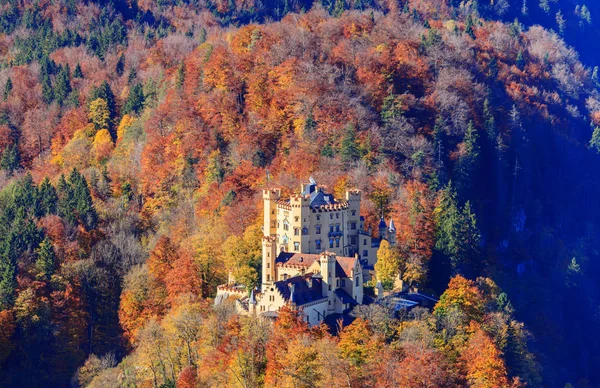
(135, 140)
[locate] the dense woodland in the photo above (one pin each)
(134, 143)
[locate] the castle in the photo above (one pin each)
(316, 255)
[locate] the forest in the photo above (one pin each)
(135, 140)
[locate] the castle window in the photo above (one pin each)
(318, 229)
(343, 282)
(296, 231)
(337, 215)
(337, 228)
(352, 239)
(286, 225)
(304, 231)
(353, 226)
(297, 246)
(268, 277)
(365, 241)
(337, 282)
(318, 217)
(268, 265)
(273, 224)
(331, 216)
(353, 213)
(357, 280)
(296, 219)
(337, 242)
(318, 242)
(365, 253)
(273, 211)
(330, 228)
(331, 243)
(330, 287)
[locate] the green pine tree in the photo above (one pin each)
(45, 264)
(349, 148)
(47, 92)
(180, 75)
(339, 8)
(8, 87)
(82, 200)
(490, 121)
(135, 100)
(77, 73)
(468, 162)
(47, 198)
(8, 272)
(457, 236)
(120, 66)
(132, 76)
(520, 61)
(62, 85)
(469, 26)
(595, 141)
(11, 159)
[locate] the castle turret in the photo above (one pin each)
(270, 198)
(328, 274)
(391, 233)
(382, 229)
(269, 254)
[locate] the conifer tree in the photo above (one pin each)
(469, 26)
(595, 141)
(105, 92)
(180, 75)
(82, 200)
(47, 197)
(77, 73)
(99, 114)
(8, 87)
(458, 236)
(468, 163)
(11, 159)
(132, 76)
(490, 121)
(62, 86)
(349, 150)
(135, 100)
(47, 92)
(338, 8)
(8, 272)
(45, 263)
(120, 66)
(520, 61)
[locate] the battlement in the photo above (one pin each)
(331, 207)
(272, 194)
(269, 239)
(353, 195)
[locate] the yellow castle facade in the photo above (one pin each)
(316, 255)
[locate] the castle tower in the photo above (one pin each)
(328, 273)
(269, 254)
(353, 225)
(270, 198)
(391, 233)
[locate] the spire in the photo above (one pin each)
(392, 227)
(252, 297)
(379, 290)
